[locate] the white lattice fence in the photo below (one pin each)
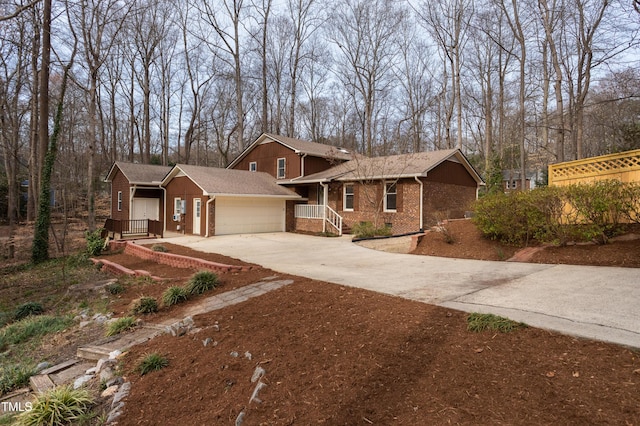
(623, 166)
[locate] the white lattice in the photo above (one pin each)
(598, 166)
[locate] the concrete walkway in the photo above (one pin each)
(593, 302)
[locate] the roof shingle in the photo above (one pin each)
(217, 181)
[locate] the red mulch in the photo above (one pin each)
(343, 356)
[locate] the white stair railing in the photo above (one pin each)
(318, 211)
(334, 219)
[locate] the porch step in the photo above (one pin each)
(346, 229)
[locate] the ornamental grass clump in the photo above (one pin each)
(28, 309)
(152, 362)
(120, 325)
(174, 295)
(144, 305)
(201, 282)
(59, 406)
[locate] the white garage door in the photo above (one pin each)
(249, 215)
(145, 208)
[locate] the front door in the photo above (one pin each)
(197, 213)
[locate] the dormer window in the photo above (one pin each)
(253, 166)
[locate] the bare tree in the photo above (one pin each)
(99, 23)
(225, 22)
(513, 14)
(365, 33)
(448, 22)
(552, 16)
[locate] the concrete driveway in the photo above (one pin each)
(594, 302)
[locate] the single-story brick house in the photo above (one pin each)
(213, 201)
(405, 192)
(136, 191)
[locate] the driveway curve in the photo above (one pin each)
(593, 302)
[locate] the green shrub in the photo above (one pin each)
(95, 242)
(144, 305)
(600, 206)
(115, 288)
(58, 406)
(558, 214)
(31, 327)
(159, 248)
(174, 295)
(152, 362)
(120, 325)
(28, 309)
(201, 282)
(14, 376)
(480, 322)
(368, 230)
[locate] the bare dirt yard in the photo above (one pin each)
(342, 356)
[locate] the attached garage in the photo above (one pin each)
(249, 215)
(211, 201)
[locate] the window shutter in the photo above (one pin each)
(399, 197)
(356, 196)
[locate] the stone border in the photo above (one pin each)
(117, 269)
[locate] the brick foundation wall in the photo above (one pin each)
(308, 225)
(175, 260)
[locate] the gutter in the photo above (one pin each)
(164, 209)
(325, 200)
(421, 202)
(206, 234)
(132, 190)
(302, 164)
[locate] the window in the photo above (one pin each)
(119, 201)
(348, 197)
(390, 197)
(281, 168)
(253, 166)
(177, 206)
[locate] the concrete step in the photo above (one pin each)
(68, 375)
(93, 353)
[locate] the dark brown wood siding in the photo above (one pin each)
(182, 187)
(120, 183)
(315, 164)
(451, 173)
(266, 158)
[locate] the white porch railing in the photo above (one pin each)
(318, 211)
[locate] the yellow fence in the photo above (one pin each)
(623, 166)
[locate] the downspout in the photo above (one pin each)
(132, 190)
(164, 209)
(302, 164)
(421, 202)
(325, 200)
(206, 234)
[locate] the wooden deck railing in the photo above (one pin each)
(132, 227)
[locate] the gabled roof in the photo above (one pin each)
(139, 174)
(390, 167)
(299, 146)
(217, 181)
